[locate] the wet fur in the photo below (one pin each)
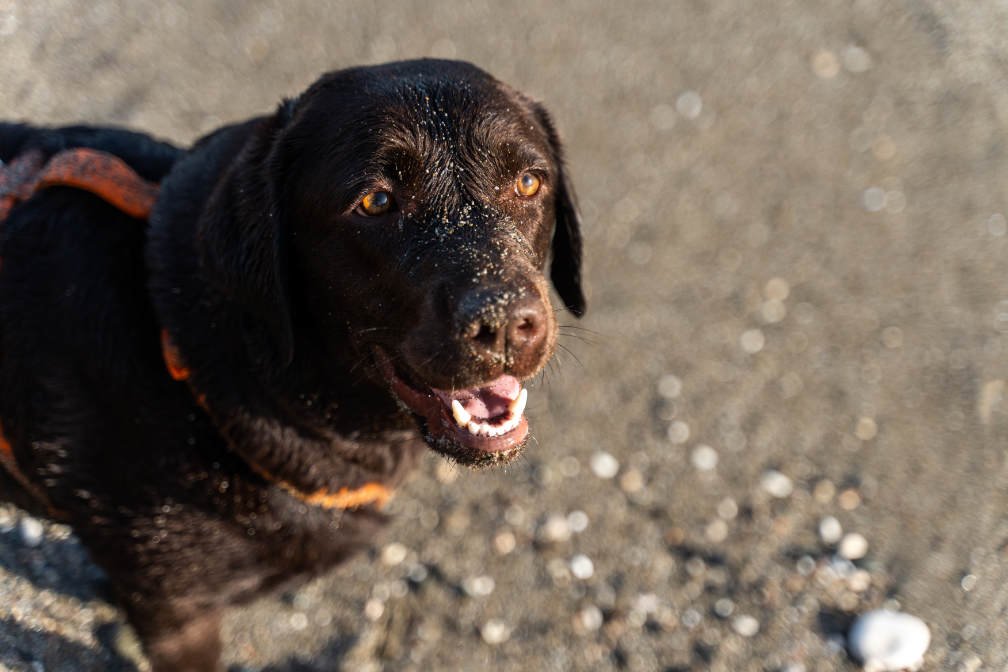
(274, 296)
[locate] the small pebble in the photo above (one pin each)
(646, 603)
(717, 531)
(394, 553)
(495, 632)
(504, 542)
(727, 508)
(691, 618)
(859, 580)
(887, 641)
(577, 521)
(825, 64)
(631, 481)
(855, 59)
(776, 484)
(849, 499)
(570, 466)
(591, 617)
(997, 225)
(373, 609)
(873, 199)
(752, 341)
(298, 621)
(853, 546)
(776, 289)
(669, 386)
(830, 530)
(555, 528)
(704, 458)
(745, 625)
(968, 582)
(689, 104)
(866, 429)
(678, 432)
(418, 573)
(773, 311)
(824, 491)
(604, 465)
(31, 531)
(724, 607)
(582, 567)
(892, 337)
(478, 586)
(841, 567)
(971, 664)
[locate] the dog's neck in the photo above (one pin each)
(310, 423)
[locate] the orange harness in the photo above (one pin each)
(99, 173)
(112, 180)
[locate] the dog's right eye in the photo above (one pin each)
(376, 203)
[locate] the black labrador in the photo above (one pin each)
(220, 401)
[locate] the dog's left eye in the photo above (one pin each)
(376, 203)
(527, 185)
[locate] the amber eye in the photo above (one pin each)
(527, 185)
(376, 203)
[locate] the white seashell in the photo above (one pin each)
(886, 641)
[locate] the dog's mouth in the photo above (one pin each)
(479, 425)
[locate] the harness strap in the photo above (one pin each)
(91, 170)
(343, 499)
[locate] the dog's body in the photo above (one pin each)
(332, 287)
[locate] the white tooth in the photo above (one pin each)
(473, 427)
(462, 416)
(517, 407)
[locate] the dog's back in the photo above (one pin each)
(70, 263)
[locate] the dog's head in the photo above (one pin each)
(413, 210)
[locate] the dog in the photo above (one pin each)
(219, 388)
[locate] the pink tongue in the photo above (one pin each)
(485, 402)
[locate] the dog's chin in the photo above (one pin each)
(464, 453)
(481, 426)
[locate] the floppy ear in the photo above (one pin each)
(565, 267)
(243, 243)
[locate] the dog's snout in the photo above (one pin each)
(500, 324)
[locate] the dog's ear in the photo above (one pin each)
(244, 244)
(565, 267)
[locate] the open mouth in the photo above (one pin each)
(485, 424)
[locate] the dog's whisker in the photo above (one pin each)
(571, 353)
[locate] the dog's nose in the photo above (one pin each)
(496, 324)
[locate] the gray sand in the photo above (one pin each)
(796, 239)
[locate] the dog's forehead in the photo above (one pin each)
(443, 128)
(451, 111)
(443, 101)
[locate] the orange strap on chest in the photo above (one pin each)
(344, 498)
(91, 170)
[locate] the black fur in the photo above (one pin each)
(278, 294)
